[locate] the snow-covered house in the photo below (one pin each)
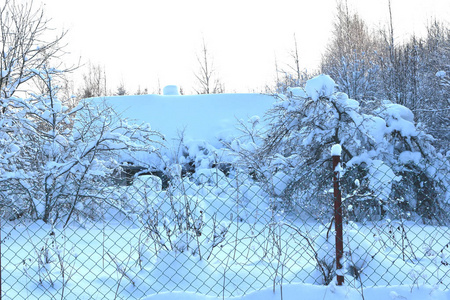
(196, 128)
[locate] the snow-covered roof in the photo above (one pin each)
(212, 118)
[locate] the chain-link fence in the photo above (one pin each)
(225, 232)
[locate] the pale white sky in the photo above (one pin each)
(143, 41)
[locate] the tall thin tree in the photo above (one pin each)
(207, 79)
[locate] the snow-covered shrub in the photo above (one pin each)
(51, 263)
(211, 176)
(193, 216)
(133, 199)
(55, 160)
(172, 220)
(359, 252)
(389, 164)
(175, 223)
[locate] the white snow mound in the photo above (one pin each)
(171, 90)
(320, 86)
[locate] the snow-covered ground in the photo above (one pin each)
(243, 250)
(314, 292)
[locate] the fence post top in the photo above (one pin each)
(336, 150)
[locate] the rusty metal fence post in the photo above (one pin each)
(1, 267)
(336, 154)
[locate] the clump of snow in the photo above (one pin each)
(399, 118)
(347, 104)
(151, 182)
(254, 120)
(175, 171)
(441, 74)
(397, 111)
(171, 90)
(381, 178)
(297, 92)
(280, 182)
(336, 150)
(211, 175)
(320, 86)
(408, 156)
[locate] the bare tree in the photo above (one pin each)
(293, 75)
(54, 164)
(295, 67)
(407, 75)
(141, 92)
(208, 83)
(94, 82)
(373, 65)
(350, 55)
(24, 47)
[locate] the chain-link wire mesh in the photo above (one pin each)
(227, 233)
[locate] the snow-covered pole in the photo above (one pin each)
(336, 154)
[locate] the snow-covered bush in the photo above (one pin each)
(51, 263)
(361, 262)
(54, 160)
(178, 220)
(26, 47)
(389, 164)
(194, 214)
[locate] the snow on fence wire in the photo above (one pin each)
(229, 234)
